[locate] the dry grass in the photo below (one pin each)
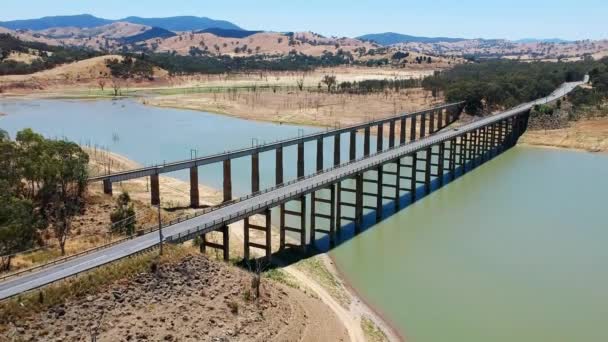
(590, 135)
(371, 331)
(87, 283)
(315, 268)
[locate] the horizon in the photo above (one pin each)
(340, 18)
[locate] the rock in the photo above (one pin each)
(168, 337)
(60, 312)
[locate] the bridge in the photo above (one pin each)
(409, 169)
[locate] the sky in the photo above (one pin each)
(510, 19)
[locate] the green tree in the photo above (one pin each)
(123, 216)
(18, 225)
(31, 153)
(62, 194)
(329, 81)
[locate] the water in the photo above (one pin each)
(513, 251)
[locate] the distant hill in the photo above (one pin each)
(536, 40)
(390, 38)
(80, 21)
(229, 33)
(155, 32)
(184, 23)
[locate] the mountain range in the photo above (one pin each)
(181, 23)
(390, 38)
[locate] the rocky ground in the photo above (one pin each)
(194, 300)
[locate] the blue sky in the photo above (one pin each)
(513, 19)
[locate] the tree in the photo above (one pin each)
(123, 216)
(31, 149)
(329, 81)
(18, 217)
(300, 83)
(18, 226)
(102, 83)
(116, 86)
(4, 53)
(65, 177)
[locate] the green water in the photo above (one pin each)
(514, 251)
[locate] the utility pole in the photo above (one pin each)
(160, 230)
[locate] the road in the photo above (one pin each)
(248, 206)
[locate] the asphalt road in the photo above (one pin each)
(244, 208)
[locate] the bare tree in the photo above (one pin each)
(116, 86)
(257, 267)
(300, 83)
(102, 83)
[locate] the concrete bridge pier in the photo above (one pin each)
(337, 150)
(227, 180)
(107, 187)
(413, 177)
(301, 159)
(397, 185)
(380, 138)
(402, 129)
(155, 189)
(358, 202)
(391, 135)
(194, 195)
(413, 129)
(423, 125)
(441, 163)
(427, 170)
(352, 146)
(366, 141)
(452, 161)
(266, 228)
(319, 154)
(329, 214)
(224, 246)
(284, 227)
(255, 172)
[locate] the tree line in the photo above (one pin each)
(499, 84)
(42, 185)
(48, 56)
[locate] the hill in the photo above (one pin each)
(181, 23)
(184, 23)
(547, 40)
(390, 38)
(225, 33)
(155, 32)
(80, 21)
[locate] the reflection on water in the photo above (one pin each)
(513, 251)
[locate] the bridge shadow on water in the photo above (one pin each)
(321, 245)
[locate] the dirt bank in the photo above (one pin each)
(589, 135)
(193, 300)
(301, 107)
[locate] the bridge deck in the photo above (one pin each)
(248, 206)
